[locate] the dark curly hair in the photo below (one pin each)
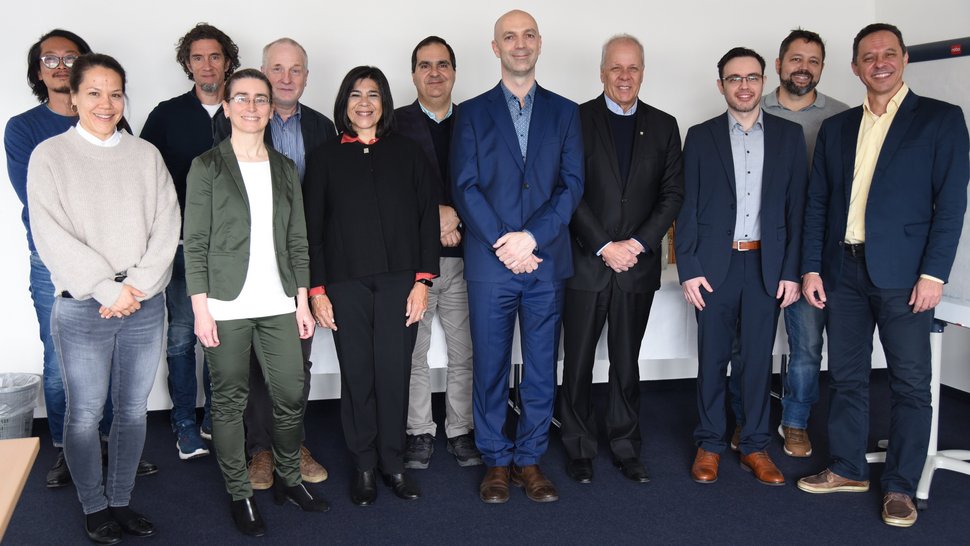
(37, 85)
(205, 31)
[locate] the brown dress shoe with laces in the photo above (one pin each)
(763, 468)
(537, 487)
(704, 469)
(261, 470)
(898, 510)
(495, 485)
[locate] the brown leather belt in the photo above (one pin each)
(744, 246)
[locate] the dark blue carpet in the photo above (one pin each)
(188, 504)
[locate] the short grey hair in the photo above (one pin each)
(287, 41)
(621, 38)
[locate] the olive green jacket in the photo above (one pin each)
(217, 225)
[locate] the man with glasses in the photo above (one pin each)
(799, 65)
(294, 130)
(429, 121)
(182, 128)
(738, 243)
(49, 63)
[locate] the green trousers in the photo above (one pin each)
(277, 344)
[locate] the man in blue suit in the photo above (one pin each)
(885, 210)
(738, 241)
(517, 171)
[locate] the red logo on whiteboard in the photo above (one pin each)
(956, 49)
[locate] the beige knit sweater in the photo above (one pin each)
(99, 211)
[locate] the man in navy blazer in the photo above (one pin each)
(885, 210)
(517, 170)
(738, 241)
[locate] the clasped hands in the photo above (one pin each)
(514, 250)
(621, 255)
(449, 222)
(126, 304)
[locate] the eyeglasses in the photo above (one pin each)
(735, 79)
(258, 100)
(53, 61)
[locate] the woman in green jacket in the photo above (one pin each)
(247, 272)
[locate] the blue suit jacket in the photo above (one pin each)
(914, 213)
(705, 226)
(495, 192)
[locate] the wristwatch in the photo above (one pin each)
(425, 282)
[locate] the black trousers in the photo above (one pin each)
(585, 314)
(374, 349)
(258, 416)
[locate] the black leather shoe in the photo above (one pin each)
(632, 469)
(580, 470)
(101, 529)
(299, 495)
(364, 490)
(246, 517)
(403, 486)
(132, 522)
(58, 475)
(146, 468)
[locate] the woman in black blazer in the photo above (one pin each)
(372, 227)
(246, 270)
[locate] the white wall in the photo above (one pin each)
(683, 42)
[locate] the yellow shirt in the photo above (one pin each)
(872, 133)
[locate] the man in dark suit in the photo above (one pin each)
(517, 169)
(294, 130)
(738, 242)
(634, 189)
(429, 121)
(885, 210)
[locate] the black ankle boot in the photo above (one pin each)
(299, 495)
(246, 517)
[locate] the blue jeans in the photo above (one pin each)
(804, 325)
(42, 292)
(119, 355)
(183, 386)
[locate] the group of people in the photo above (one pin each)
(250, 219)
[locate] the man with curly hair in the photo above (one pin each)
(182, 128)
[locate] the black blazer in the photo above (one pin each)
(643, 208)
(369, 210)
(317, 129)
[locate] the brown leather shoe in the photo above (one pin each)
(261, 470)
(827, 481)
(898, 510)
(763, 468)
(797, 443)
(310, 470)
(495, 485)
(704, 469)
(537, 486)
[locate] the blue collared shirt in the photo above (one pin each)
(612, 106)
(430, 114)
(521, 115)
(748, 151)
(288, 139)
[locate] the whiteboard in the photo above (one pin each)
(948, 79)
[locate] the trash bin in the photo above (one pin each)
(18, 396)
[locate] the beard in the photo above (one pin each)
(794, 88)
(61, 89)
(209, 87)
